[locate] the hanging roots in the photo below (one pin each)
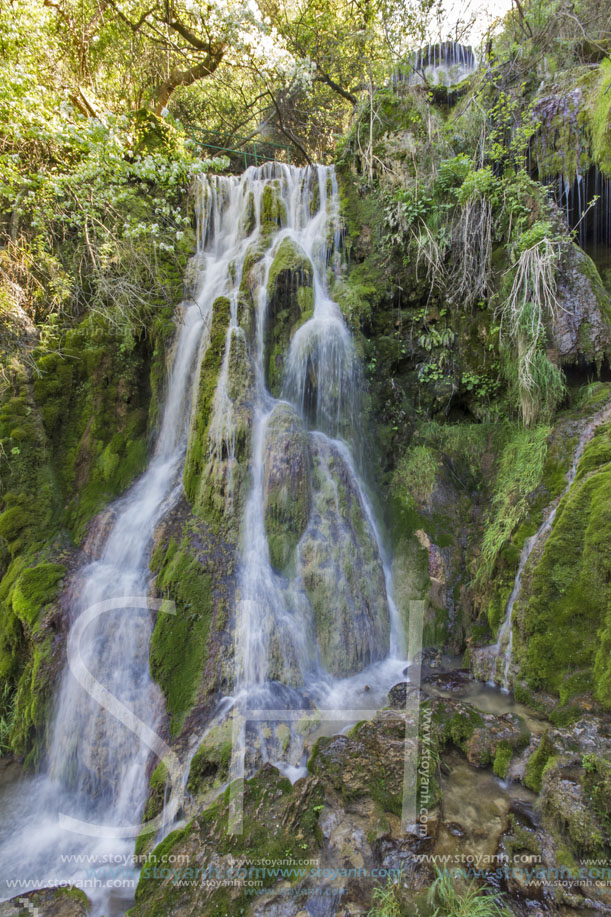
(430, 253)
(472, 253)
(525, 314)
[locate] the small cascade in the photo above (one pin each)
(495, 663)
(445, 63)
(574, 197)
(559, 157)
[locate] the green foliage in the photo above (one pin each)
(444, 895)
(386, 901)
(415, 476)
(478, 183)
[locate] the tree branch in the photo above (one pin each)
(187, 77)
(322, 77)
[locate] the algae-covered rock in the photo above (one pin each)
(566, 810)
(341, 568)
(290, 303)
(287, 485)
(273, 210)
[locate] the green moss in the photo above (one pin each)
(565, 628)
(597, 787)
(273, 210)
(456, 725)
(32, 702)
(210, 764)
(36, 587)
(599, 117)
(537, 762)
(502, 759)
(178, 649)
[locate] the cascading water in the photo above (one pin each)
(315, 622)
(302, 626)
(96, 769)
(495, 663)
(446, 63)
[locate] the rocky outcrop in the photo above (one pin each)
(581, 328)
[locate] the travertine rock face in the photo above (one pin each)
(341, 569)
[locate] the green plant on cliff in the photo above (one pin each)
(386, 901)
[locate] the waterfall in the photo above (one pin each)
(315, 622)
(305, 631)
(84, 808)
(495, 662)
(445, 63)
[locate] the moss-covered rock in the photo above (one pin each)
(566, 811)
(210, 763)
(290, 302)
(287, 485)
(219, 439)
(278, 822)
(581, 328)
(563, 612)
(273, 210)
(36, 587)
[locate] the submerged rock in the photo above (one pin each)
(341, 568)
